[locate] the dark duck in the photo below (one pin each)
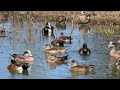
(84, 50)
(48, 30)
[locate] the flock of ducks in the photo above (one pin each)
(22, 62)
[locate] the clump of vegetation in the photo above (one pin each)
(108, 30)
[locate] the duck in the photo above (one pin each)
(61, 22)
(66, 39)
(114, 53)
(49, 49)
(118, 41)
(26, 57)
(58, 60)
(118, 65)
(17, 68)
(61, 19)
(83, 69)
(84, 50)
(84, 18)
(48, 30)
(58, 43)
(2, 17)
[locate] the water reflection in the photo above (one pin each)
(84, 29)
(25, 37)
(61, 26)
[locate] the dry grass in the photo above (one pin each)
(107, 30)
(102, 17)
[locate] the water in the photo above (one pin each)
(25, 38)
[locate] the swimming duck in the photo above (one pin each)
(66, 39)
(84, 69)
(48, 30)
(17, 68)
(59, 43)
(84, 50)
(118, 64)
(49, 49)
(26, 57)
(58, 60)
(114, 53)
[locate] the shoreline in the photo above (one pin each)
(101, 17)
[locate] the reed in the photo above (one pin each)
(107, 20)
(101, 18)
(109, 30)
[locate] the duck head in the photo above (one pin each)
(52, 56)
(27, 53)
(84, 45)
(74, 63)
(47, 46)
(112, 44)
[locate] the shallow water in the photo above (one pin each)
(24, 37)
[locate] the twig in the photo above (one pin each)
(73, 18)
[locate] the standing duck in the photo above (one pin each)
(84, 50)
(83, 18)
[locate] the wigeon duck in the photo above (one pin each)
(49, 49)
(114, 53)
(82, 69)
(58, 60)
(83, 18)
(26, 57)
(66, 39)
(17, 68)
(58, 43)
